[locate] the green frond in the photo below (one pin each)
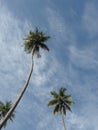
(68, 97)
(56, 109)
(62, 91)
(12, 116)
(44, 38)
(70, 103)
(67, 107)
(45, 47)
(37, 52)
(53, 102)
(54, 94)
(8, 104)
(28, 46)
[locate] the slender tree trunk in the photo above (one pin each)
(63, 120)
(2, 123)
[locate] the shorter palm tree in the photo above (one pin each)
(4, 108)
(62, 102)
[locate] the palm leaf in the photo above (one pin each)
(43, 38)
(56, 109)
(54, 94)
(52, 102)
(37, 52)
(67, 107)
(62, 91)
(68, 97)
(12, 117)
(45, 47)
(28, 46)
(70, 103)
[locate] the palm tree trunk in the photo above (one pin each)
(2, 123)
(63, 120)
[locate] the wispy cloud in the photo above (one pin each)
(90, 18)
(84, 58)
(11, 51)
(58, 25)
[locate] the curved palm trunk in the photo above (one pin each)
(2, 123)
(63, 120)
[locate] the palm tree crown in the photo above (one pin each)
(4, 108)
(35, 40)
(61, 101)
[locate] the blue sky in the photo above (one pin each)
(72, 61)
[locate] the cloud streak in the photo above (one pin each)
(11, 54)
(90, 19)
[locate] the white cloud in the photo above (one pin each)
(11, 51)
(84, 58)
(76, 122)
(59, 27)
(90, 18)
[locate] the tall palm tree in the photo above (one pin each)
(4, 108)
(33, 42)
(62, 102)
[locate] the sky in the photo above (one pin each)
(72, 61)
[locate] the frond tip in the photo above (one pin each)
(56, 109)
(52, 102)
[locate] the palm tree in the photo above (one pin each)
(62, 102)
(33, 42)
(4, 108)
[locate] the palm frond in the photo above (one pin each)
(56, 109)
(37, 52)
(70, 103)
(45, 47)
(53, 102)
(12, 117)
(67, 107)
(54, 94)
(28, 46)
(44, 38)
(68, 97)
(62, 91)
